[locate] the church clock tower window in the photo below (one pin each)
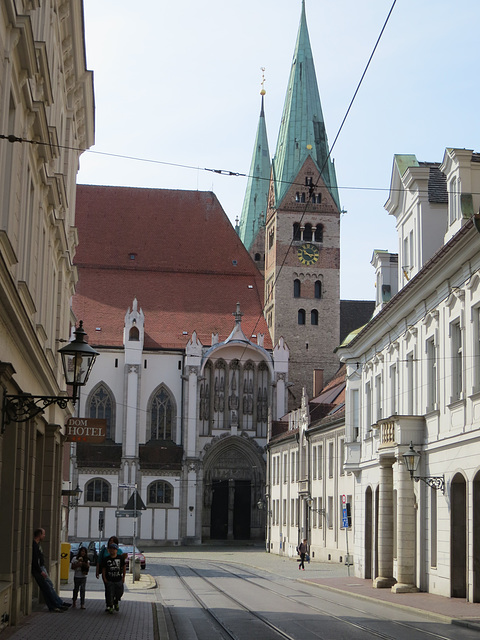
(319, 232)
(297, 288)
(301, 316)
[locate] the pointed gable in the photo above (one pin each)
(302, 130)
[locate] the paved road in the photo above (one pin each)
(323, 601)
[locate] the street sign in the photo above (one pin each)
(344, 518)
(101, 520)
(127, 513)
(135, 501)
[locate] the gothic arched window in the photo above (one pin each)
(301, 316)
(97, 490)
(160, 492)
(318, 289)
(314, 317)
(162, 415)
(307, 232)
(101, 405)
(296, 232)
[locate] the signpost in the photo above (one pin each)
(134, 516)
(345, 525)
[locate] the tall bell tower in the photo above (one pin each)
(302, 232)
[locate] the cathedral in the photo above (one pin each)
(187, 378)
(207, 334)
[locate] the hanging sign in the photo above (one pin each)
(86, 430)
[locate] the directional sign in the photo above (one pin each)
(127, 513)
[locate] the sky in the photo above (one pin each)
(177, 91)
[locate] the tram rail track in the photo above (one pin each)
(323, 606)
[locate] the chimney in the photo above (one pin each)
(317, 382)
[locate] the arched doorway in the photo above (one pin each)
(234, 481)
(476, 538)
(368, 533)
(458, 537)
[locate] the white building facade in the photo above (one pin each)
(188, 428)
(413, 377)
(46, 119)
(308, 486)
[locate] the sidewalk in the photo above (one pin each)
(449, 610)
(137, 618)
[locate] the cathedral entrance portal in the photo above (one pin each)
(234, 480)
(230, 512)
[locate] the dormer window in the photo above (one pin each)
(454, 200)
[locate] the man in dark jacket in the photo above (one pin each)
(40, 573)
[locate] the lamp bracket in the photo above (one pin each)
(436, 482)
(24, 407)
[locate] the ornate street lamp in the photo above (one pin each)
(78, 358)
(412, 459)
(74, 496)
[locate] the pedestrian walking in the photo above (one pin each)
(113, 574)
(81, 566)
(40, 573)
(103, 553)
(302, 550)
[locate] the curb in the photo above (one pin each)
(146, 582)
(397, 605)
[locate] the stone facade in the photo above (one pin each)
(302, 301)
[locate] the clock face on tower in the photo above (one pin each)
(307, 254)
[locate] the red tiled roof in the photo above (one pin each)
(189, 267)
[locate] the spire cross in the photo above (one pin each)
(263, 92)
(238, 314)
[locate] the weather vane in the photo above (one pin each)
(263, 92)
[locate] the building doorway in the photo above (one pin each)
(458, 537)
(233, 484)
(476, 538)
(368, 533)
(231, 508)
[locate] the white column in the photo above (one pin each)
(131, 395)
(405, 532)
(190, 444)
(385, 527)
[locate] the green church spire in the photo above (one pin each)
(254, 208)
(302, 130)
